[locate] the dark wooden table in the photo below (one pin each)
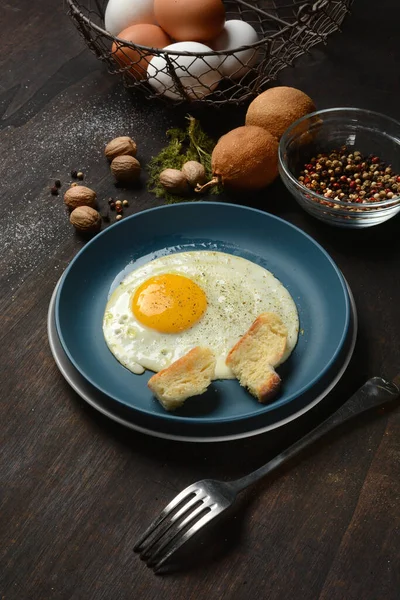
(76, 488)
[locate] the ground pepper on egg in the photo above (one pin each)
(151, 319)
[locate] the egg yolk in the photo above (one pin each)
(169, 303)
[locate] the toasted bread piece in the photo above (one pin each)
(255, 355)
(188, 376)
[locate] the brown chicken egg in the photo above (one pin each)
(142, 35)
(190, 20)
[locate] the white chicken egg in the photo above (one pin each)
(120, 14)
(168, 306)
(236, 34)
(199, 76)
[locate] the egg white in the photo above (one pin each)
(237, 291)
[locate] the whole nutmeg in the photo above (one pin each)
(194, 172)
(123, 145)
(79, 195)
(174, 181)
(126, 168)
(86, 219)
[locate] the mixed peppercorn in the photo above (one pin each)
(77, 174)
(118, 206)
(350, 177)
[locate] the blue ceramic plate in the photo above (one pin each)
(303, 267)
(195, 432)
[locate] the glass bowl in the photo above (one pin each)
(325, 131)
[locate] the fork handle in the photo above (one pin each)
(374, 393)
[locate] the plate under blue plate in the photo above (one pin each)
(301, 264)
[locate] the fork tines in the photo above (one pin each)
(176, 524)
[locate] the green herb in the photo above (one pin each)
(191, 143)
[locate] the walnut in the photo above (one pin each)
(79, 195)
(85, 218)
(123, 145)
(174, 181)
(126, 168)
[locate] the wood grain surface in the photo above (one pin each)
(77, 489)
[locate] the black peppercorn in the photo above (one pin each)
(74, 174)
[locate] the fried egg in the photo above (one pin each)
(168, 306)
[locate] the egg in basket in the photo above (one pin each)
(204, 51)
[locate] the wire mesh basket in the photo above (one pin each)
(285, 30)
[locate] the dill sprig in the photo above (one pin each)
(191, 143)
